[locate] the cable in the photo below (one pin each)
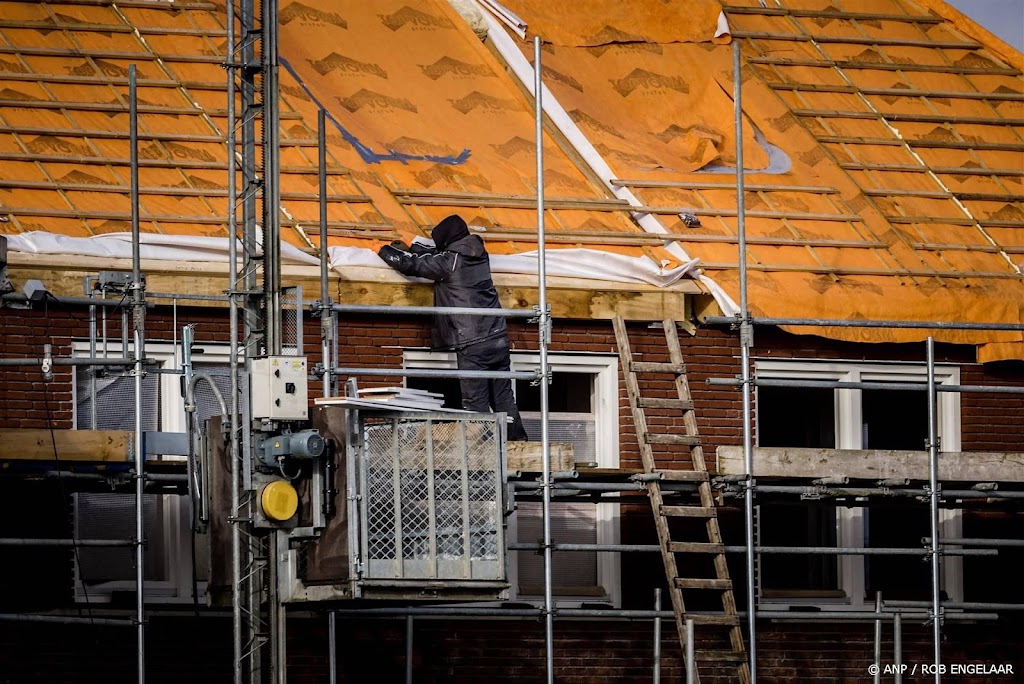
(60, 477)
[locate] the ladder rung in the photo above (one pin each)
(654, 367)
(713, 619)
(683, 475)
(701, 583)
(658, 402)
(696, 547)
(728, 656)
(688, 440)
(689, 511)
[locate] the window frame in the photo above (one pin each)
(850, 521)
(176, 529)
(605, 399)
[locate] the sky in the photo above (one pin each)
(1005, 18)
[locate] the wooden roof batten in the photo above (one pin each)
(850, 87)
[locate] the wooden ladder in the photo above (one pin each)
(711, 544)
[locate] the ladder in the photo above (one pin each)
(710, 543)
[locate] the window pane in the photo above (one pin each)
(895, 419)
(449, 387)
(806, 523)
(802, 417)
(903, 526)
(579, 431)
(572, 572)
(567, 393)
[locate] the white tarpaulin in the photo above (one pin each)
(571, 263)
(151, 246)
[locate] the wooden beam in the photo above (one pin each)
(18, 444)
(613, 237)
(859, 40)
(833, 14)
(896, 92)
(873, 464)
(526, 457)
(687, 185)
(915, 168)
(883, 66)
(468, 199)
(166, 192)
(570, 298)
(157, 163)
(915, 118)
(111, 28)
(938, 194)
(839, 271)
(145, 56)
(144, 4)
(921, 142)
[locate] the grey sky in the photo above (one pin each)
(1005, 18)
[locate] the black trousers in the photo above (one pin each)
(487, 394)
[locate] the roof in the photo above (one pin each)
(883, 139)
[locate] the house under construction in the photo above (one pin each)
(761, 265)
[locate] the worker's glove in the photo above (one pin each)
(398, 244)
(391, 256)
(419, 248)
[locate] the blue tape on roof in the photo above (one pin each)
(367, 154)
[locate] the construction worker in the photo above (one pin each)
(460, 268)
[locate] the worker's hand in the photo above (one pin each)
(391, 256)
(398, 244)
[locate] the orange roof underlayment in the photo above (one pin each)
(883, 139)
(886, 179)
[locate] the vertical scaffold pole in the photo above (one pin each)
(746, 340)
(326, 313)
(933, 502)
(138, 315)
(233, 446)
(544, 323)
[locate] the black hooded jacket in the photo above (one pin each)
(461, 272)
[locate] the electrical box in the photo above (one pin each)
(279, 388)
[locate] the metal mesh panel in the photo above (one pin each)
(112, 516)
(207, 405)
(291, 318)
(115, 401)
(431, 501)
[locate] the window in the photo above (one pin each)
(101, 573)
(583, 411)
(810, 417)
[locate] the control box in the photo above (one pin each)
(279, 388)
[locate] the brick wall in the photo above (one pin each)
(473, 651)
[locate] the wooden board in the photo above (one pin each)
(18, 444)
(570, 298)
(969, 466)
(526, 457)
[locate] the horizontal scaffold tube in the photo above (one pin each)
(438, 373)
(429, 310)
(598, 613)
(893, 386)
(787, 550)
(842, 323)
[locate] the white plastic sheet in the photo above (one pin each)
(570, 263)
(151, 246)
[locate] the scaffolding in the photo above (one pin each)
(745, 486)
(258, 621)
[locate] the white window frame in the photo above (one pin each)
(605, 368)
(849, 435)
(174, 514)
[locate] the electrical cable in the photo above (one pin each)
(60, 476)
